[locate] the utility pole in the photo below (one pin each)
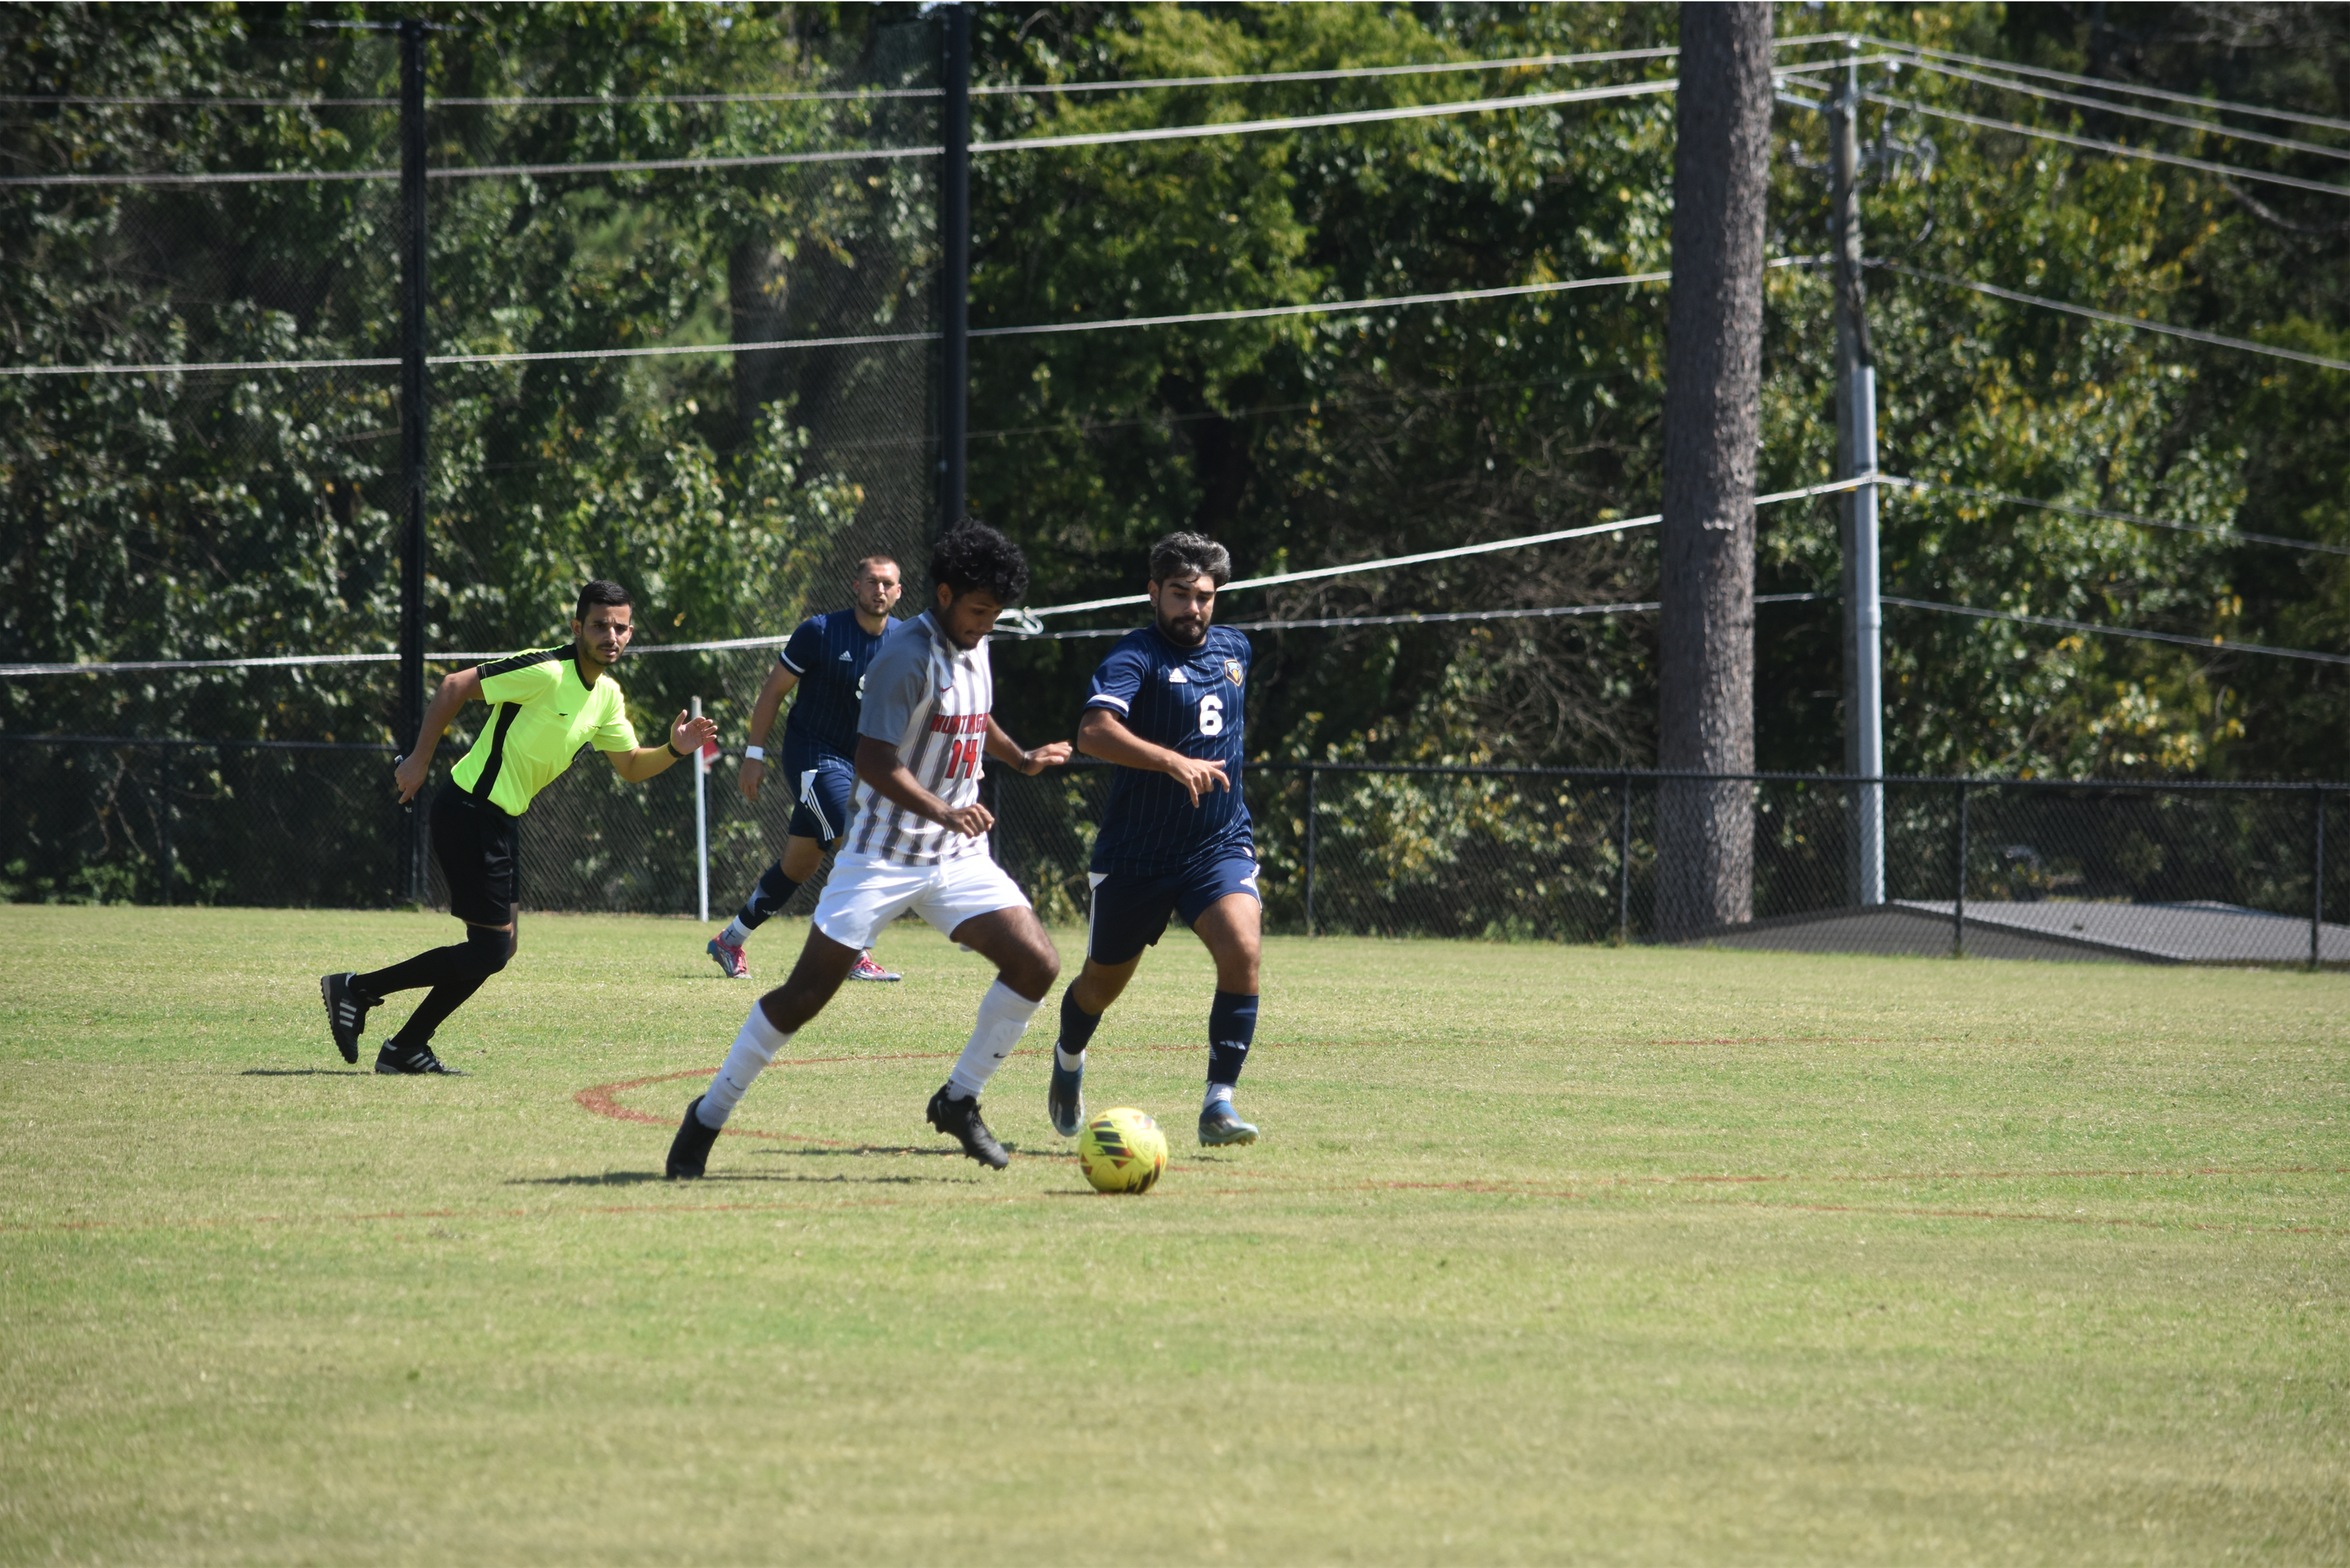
(954, 233)
(1856, 458)
(412, 416)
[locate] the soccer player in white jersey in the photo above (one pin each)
(918, 842)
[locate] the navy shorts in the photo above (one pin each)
(823, 789)
(1130, 911)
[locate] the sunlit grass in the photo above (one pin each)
(1547, 1253)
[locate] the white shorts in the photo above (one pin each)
(866, 893)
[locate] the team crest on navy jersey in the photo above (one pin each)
(1232, 668)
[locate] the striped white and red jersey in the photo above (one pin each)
(931, 700)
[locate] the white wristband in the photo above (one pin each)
(754, 754)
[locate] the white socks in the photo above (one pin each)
(753, 1049)
(1003, 1019)
(1218, 1091)
(1066, 1062)
(735, 934)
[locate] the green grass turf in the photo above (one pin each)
(1638, 1256)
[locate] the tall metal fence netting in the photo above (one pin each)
(600, 236)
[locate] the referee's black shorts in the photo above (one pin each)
(476, 845)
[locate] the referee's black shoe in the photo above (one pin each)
(689, 1151)
(346, 1011)
(412, 1063)
(959, 1119)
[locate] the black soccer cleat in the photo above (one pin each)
(346, 1011)
(960, 1119)
(1064, 1101)
(689, 1151)
(1218, 1127)
(412, 1063)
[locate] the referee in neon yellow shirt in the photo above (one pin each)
(544, 706)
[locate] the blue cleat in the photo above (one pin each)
(1064, 1102)
(1218, 1126)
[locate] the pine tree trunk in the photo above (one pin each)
(758, 288)
(1713, 375)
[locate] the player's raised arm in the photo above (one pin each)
(1101, 733)
(1005, 749)
(455, 691)
(880, 767)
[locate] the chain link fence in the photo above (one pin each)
(2088, 870)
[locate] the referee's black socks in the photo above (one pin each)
(454, 973)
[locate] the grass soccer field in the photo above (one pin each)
(1614, 1255)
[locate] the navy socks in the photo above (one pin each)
(773, 892)
(1232, 1026)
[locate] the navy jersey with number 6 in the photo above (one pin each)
(830, 654)
(1187, 700)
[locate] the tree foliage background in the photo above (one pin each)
(213, 515)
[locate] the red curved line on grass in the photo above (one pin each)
(220, 1222)
(601, 1099)
(1781, 1039)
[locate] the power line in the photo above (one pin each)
(1004, 89)
(2223, 105)
(2118, 149)
(246, 177)
(988, 90)
(2228, 535)
(1029, 616)
(1412, 618)
(2140, 323)
(2209, 127)
(484, 171)
(876, 339)
(1455, 552)
(1336, 74)
(2209, 644)
(198, 365)
(1156, 133)
(1510, 291)
(1299, 122)
(105, 100)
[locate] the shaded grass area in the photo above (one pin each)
(1548, 1252)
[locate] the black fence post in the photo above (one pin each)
(409, 710)
(1958, 904)
(163, 816)
(1624, 867)
(2317, 877)
(1313, 802)
(954, 238)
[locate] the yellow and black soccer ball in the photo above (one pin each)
(1122, 1150)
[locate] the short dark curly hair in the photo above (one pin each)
(1190, 555)
(973, 556)
(597, 591)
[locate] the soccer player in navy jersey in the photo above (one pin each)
(1166, 706)
(825, 661)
